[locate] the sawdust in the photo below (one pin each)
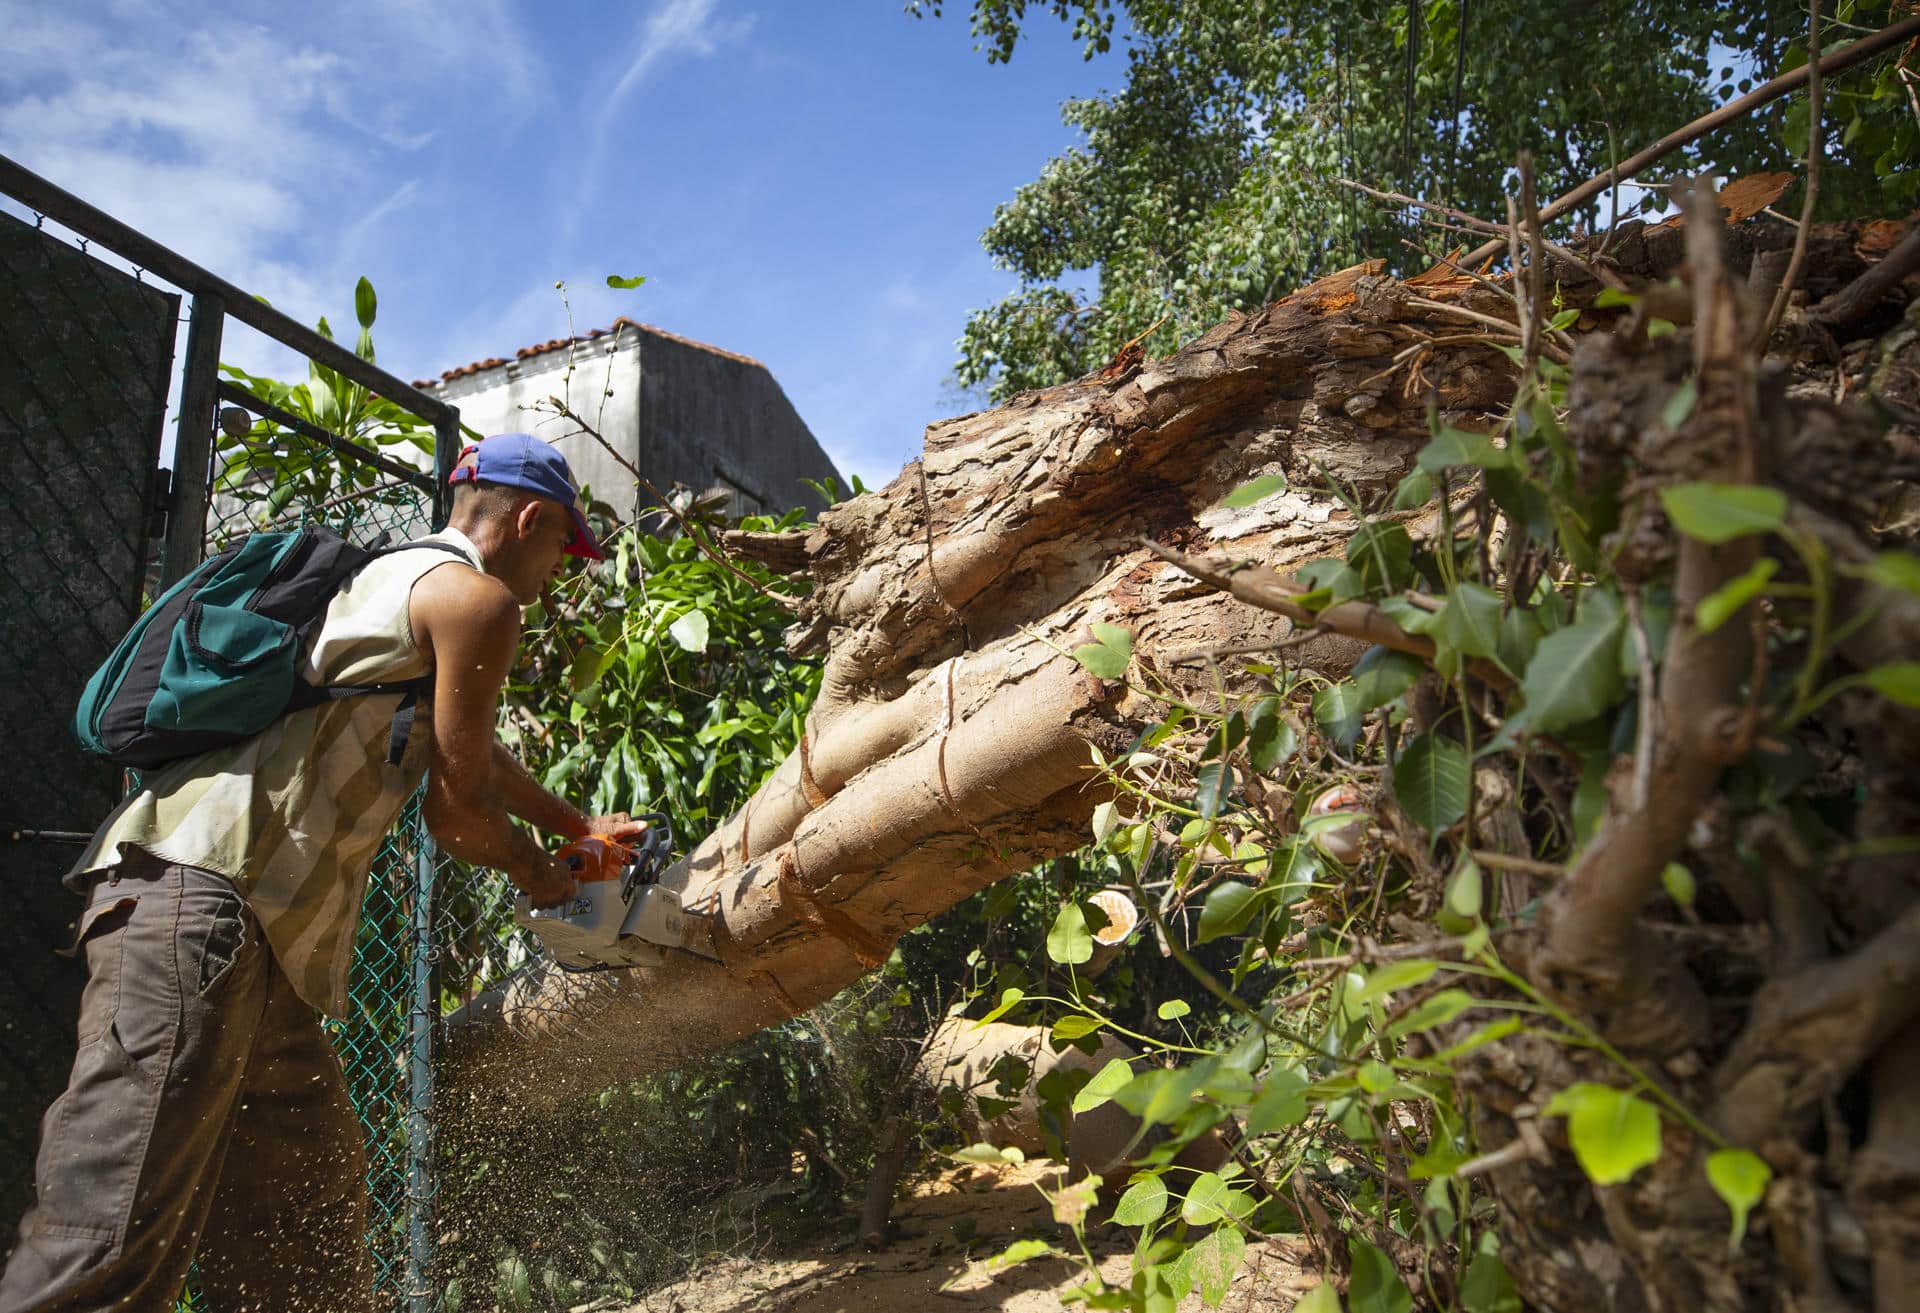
(932, 1266)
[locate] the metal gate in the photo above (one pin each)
(88, 527)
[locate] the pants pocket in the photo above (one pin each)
(221, 946)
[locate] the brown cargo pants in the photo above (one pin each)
(205, 1117)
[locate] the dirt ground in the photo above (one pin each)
(932, 1267)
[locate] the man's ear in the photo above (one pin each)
(526, 520)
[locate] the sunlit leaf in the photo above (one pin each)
(1254, 490)
(1101, 1088)
(1069, 942)
(1721, 512)
(1614, 1133)
(1726, 601)
(690, 631)
(1392, 976)
(1108, 655)
(1145, 1201)
(1739, 1176)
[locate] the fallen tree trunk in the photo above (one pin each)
(951, 743)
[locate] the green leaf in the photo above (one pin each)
(625, 284)
(1009, 1000)
(1383, 674)
(1392, 976)
(1323, 1298)
(1896, 570)
(1210, 1199)
(1721, 512)
(987, 1155)
(1216, 1261)
(1612, 296)
(1739, 1177)
(1574, 674)
(1108, 656)
(1470, 620)
(1173, 1009)
(1375, 1077)
(1436, 1011)
(1075, 1027)
(1213, 783)
(364, 303)
(1614, 1133)
(1487, 1288)
(1101, 1088)
(1430, 780)
(1725, 602)
(1451, 446)
(690, 631)
(1282, 1102)
(1145, 1201)
(1415, 490)
(1254, 490)
(588, 664)
(1382, 553)
(1680, 405)
(1375, 1286)
(1899, 680)
(1228, 907)
(1069, 942)
(1337, 710)
(1678, 881)
(1465, 890)
(1020, 1251)
(1271, 739)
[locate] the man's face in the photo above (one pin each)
(544, 528)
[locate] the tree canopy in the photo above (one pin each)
(1206, 182)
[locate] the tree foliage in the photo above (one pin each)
(1204, 183)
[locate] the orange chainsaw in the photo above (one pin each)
(621, 915)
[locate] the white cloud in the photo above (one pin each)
(674, 27)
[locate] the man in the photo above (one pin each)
(205, 1111)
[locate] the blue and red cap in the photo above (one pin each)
(520, 460)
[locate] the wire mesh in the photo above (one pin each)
(269, 477)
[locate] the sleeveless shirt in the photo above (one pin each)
(296, 815)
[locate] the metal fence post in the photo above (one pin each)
(422, 1183)
(446, 452)
(193, 447)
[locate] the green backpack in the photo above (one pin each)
(215, 660)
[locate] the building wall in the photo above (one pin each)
(599, 380)
(682, 413)
(711, 420)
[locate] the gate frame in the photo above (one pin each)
(213, 301)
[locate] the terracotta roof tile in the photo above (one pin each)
(561, 343)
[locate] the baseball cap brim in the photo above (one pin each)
(583, 544)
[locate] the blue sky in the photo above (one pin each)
(803, 181)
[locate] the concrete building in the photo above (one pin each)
(682, 411)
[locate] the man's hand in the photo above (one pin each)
(617, 826)
(547, 883)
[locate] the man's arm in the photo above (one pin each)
(523, 796)
(469, 625)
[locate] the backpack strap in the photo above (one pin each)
(309, 695)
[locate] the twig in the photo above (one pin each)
(1519, 865)
(1536, 251)
(1814, 153)
(1267, 590)
(1864, 292)
(1859, 52)
(1644, 736)
(1483, 226)
(1460, 311)
(565, 411)
(1527, 1145)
